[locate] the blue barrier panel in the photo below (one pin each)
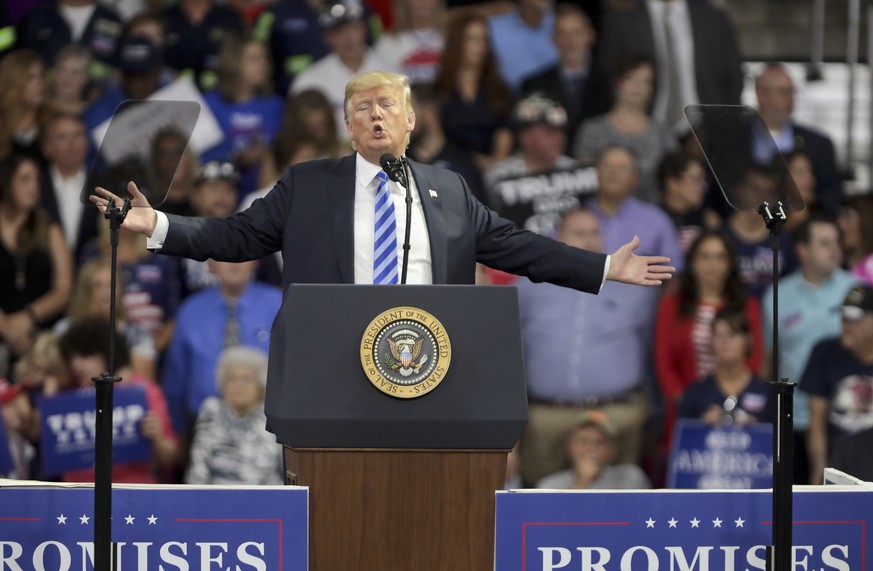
(160, 528)
(678, 530)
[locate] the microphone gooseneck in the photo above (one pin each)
(404, 171)
(396, 170)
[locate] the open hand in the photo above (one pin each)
(714, 415)
(627, 267)
(141, 218)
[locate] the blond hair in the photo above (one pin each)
(372, 80)
(13, 69)
(42, 359)
(80, 304)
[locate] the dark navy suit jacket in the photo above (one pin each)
(309, 216)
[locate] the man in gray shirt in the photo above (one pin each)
(591, 449)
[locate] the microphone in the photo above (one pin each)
(396, 170)
(393, 167)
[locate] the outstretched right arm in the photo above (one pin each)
(251, 234)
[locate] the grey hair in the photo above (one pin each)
(240, 356)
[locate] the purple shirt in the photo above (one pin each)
(634, 217)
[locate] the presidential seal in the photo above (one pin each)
(405, 352)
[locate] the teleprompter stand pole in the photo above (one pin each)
(105, 384)
(779, 553)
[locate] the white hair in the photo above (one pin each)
(240, 356)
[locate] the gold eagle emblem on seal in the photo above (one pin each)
(405, 352)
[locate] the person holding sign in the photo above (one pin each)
(15, 451)
(732, 394)
(683, 328)
(85, 350)
(535, 185)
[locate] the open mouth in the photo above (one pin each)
(378, 131)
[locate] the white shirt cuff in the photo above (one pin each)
(605, 268)
(156, 241)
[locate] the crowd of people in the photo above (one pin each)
(566, 119)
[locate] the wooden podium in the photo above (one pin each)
(400, 509)
(397, 484)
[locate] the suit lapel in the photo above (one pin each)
(433, 216)
(341, 192)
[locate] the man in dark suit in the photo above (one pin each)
(775, 90)
(705, 60)
(65, 146)
(581, 89)
(321, 216)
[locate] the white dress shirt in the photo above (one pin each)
(77, 18)
(67, 195)
(680, 24)
(419, 268)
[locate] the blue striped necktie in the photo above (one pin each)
(385, 266)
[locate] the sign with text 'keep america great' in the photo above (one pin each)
(679, 531)
(168, 528)
(710, 458)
